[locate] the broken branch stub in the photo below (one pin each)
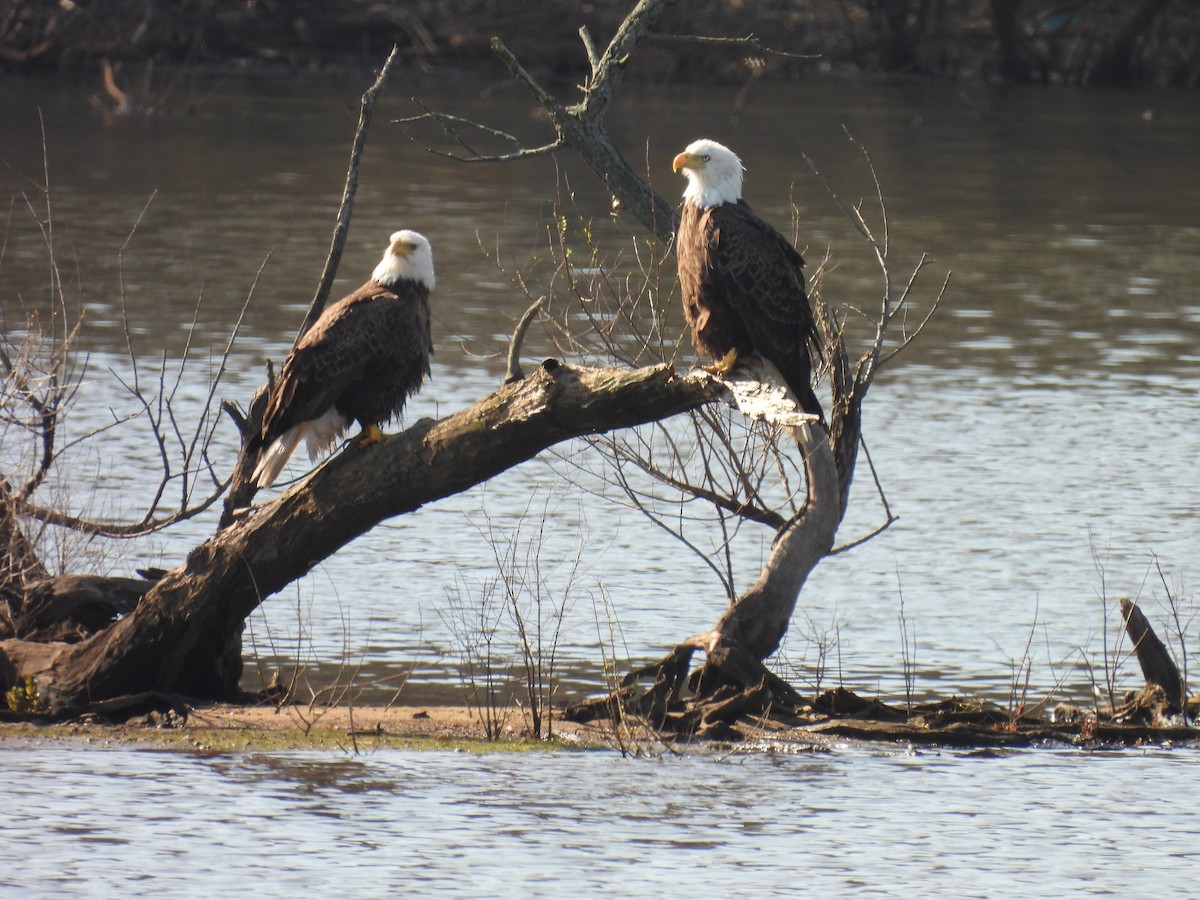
(1158, 667)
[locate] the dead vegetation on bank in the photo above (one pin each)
(836, 717)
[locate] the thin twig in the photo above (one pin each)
(133, 358)
(912, 336)
(113, 529)
(447, 123)
(748, 41)
(342, 228)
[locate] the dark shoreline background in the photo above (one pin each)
(1076, 42)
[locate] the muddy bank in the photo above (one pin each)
(228, 727)
(1012, 41)
(835, 717)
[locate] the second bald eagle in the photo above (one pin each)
(361, 360)
(742, 281)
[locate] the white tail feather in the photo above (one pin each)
(319, 435)
(276, 456)
(323, 432)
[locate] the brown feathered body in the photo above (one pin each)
(361, 361)
(365, 356)
(743, 289)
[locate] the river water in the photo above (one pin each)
(890, 823)
(1038, 444)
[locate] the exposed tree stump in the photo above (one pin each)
(1157, 665)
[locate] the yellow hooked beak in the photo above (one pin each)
(402, 248)
(684, 160)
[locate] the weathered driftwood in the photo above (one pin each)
(1155, 659)
(175, 640)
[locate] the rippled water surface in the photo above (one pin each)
(894, 823)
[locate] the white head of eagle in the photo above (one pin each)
(409, 257)
(713, 172)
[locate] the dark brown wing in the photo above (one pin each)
(366, 354)
(716, 327)
(760, 276)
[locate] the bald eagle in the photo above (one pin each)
(742, 281)
(361, 360)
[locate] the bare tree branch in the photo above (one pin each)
(513, 371)
(346, 210)
(581, 126)
(170, 438)
(448, 123)
(748, 41)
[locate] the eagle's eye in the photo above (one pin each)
(706, 157)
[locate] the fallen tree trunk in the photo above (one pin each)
(167, 644)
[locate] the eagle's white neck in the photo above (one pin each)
(705, 193)
(408, 256)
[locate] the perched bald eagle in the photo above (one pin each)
(742, 281)
(361, 360)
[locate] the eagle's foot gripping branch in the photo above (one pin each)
(371, 434)
(725, 366)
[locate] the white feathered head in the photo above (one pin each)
(713, 171)
(408, 256)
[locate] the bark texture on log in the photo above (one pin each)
(169, 642)
(21, 564)
(72, 607)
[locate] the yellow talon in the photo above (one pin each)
(725, 366)
(370, 435)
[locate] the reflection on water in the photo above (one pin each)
(891, 821)
(1037, 442)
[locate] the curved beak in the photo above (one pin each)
(683, 161)
(400, 248)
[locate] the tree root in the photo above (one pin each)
(626, 701)
(733, 696)
(731, 686)
(166, 707)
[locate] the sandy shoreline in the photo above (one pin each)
(223, 728)
(230, 727)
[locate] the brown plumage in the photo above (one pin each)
(742, 282)
(360, 361)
